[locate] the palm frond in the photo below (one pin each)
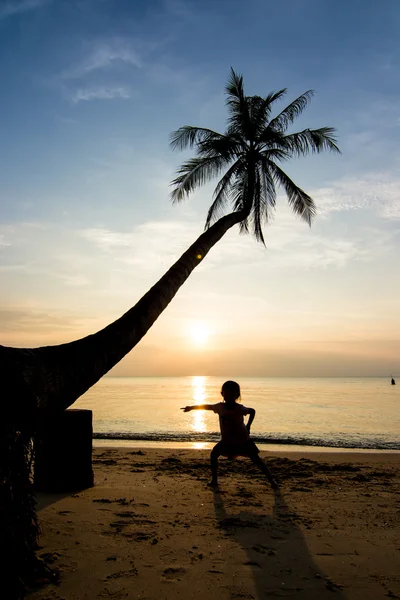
(262, 107)
(194, 173)
(311, 140)
(239, 191)
(188, 136)
(227, 146)
(274, 96)
(275, 154)
(301, 203)
(237, 104)
(293, 110)
(234, 88)
(268, 189)
(258, 208)
(222, 192)
(270, 138)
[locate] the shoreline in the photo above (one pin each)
(150, 528)
(274, 448)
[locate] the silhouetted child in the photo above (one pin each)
(235, 435)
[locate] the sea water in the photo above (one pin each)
(313, 412)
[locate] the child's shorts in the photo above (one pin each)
(233, 450)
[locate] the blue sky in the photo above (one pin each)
(91, 90)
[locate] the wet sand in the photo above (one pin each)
(152, 529)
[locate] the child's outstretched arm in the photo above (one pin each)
(252, 414)
(198, 407)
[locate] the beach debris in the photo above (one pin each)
(106, 461)
(264, 549)
(50, 557)
(129, 573)
(332, 586)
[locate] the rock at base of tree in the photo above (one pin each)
(63, 453)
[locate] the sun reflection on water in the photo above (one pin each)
(199, 396)
(200, 445)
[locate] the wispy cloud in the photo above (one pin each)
(154, 245)
(21, 317)
(102, 56)
(14, 8)
(376, 191)
(30, 326)
(289, 247)
(150, 246)
(99, 93)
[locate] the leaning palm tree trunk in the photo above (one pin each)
(47, 380)
(56, 376)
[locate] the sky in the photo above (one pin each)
(90, 92)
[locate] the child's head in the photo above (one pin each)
(230, 391)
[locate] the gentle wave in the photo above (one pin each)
(339, 441)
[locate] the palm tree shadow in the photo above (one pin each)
(277, 553)
(45, 499)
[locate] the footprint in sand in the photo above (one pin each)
(129, 573)
(140, 536)
(264, 550)
(122, 501)
(172, 573)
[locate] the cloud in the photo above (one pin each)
(154, 245)
(151, 246)
(289, 246)
(15, 8)
(104, 55)
(377, 191)
(12, 318)
(26, 326)
(99, 93)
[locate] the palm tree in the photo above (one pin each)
(49, 379)
(250, 152)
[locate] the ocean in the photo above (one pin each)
(345, 413)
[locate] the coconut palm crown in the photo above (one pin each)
(249, 152)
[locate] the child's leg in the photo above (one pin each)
(215, 454)
(263, 467)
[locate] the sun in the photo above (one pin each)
(199, 333)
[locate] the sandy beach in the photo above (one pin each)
(151, 529)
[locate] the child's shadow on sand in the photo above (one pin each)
(277, 554)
